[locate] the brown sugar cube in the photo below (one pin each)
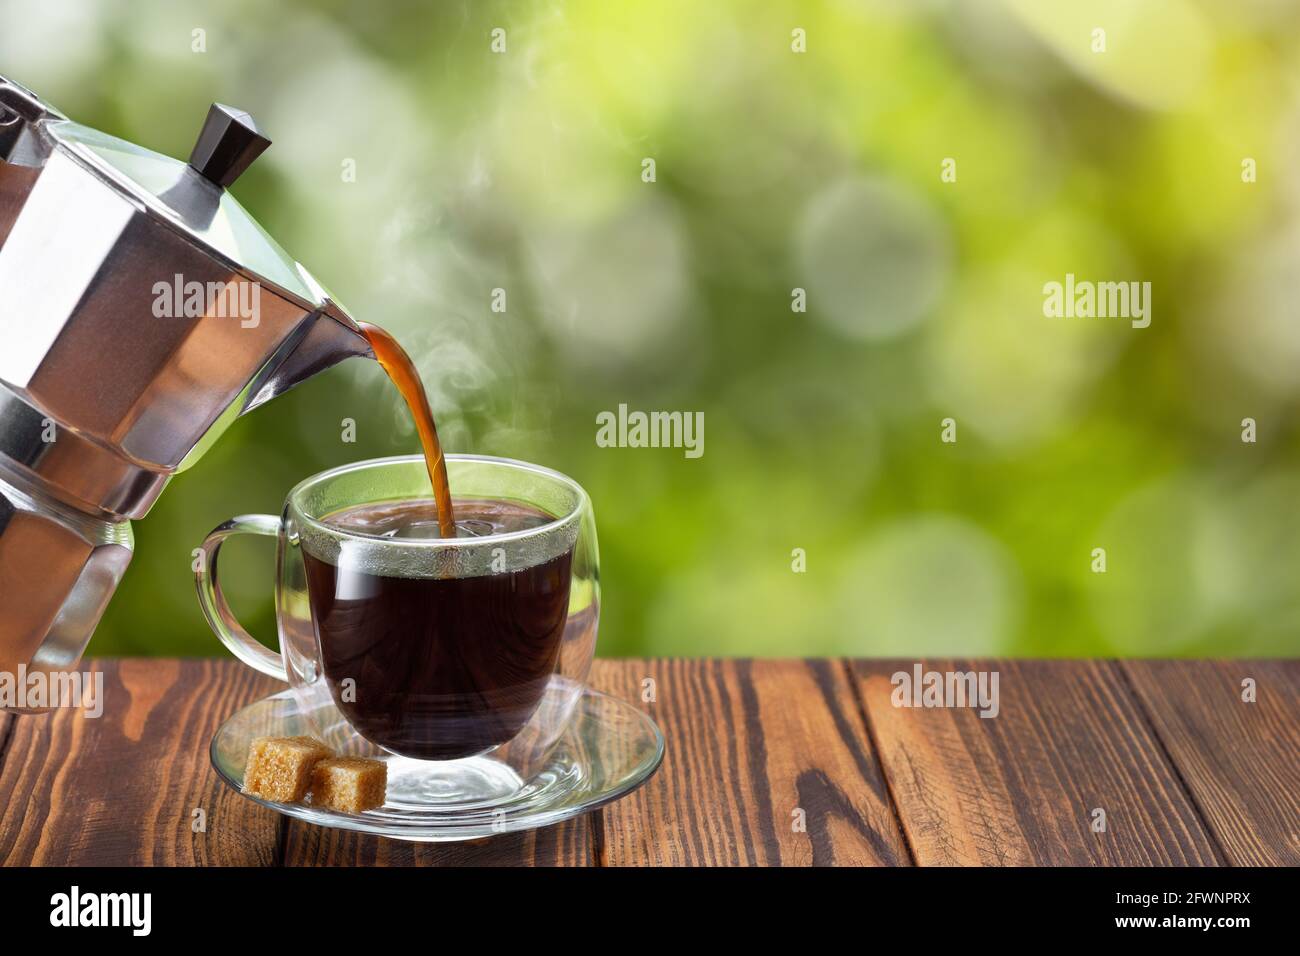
(353, 784)
(279, 768)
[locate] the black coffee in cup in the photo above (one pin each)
(439, 667)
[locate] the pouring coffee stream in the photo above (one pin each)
(397, 363)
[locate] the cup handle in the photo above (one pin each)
(221, 619)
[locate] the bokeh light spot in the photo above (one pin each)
(876, 256)
(929, 585)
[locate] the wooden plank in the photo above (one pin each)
(121, 789)
(1021, 788)
(1240, 760)
(749, 744)
(752, 748)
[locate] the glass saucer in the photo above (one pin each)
(609, 749)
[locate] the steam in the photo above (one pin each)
(434, 293)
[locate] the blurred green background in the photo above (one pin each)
(775, 170)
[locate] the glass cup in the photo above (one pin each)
(459, 661)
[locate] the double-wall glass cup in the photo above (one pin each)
(459, 660)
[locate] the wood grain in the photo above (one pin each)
(1186, 772)
(121, 789)
(752, 748)
(1021, 788)
(1240, 760)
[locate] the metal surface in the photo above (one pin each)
(58, 570)
(141, 310)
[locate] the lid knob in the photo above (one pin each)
(227, 145)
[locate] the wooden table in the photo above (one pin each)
(1185, 771)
